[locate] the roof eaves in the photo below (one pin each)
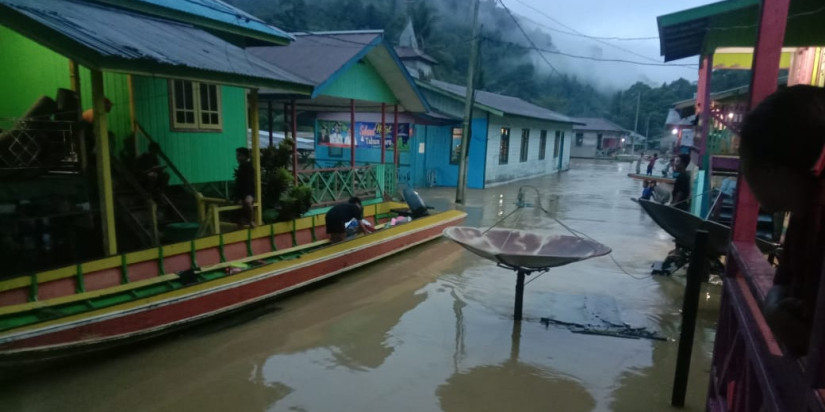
(452, 95)
(275, 37)
(346, 66)
(406, 74)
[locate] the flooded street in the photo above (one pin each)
(429, 329)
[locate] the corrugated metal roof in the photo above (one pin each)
(318, 56)
(505, 104)
(405, 53)
(321, 57)
(203, 12)
(733, 23)
(111, 39)
(597, 123)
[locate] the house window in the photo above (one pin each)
(579, 138)
(542, 144)
(504, 146)
(556, 142)
(455, 147)
(195, 106)
(525, 144)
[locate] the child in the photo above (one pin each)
(647, 191)
(783, 157)
(652, 163)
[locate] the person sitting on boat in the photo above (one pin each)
(661, 194)
(647, 191)
(681, 186)
(245, 186)
(339, 215)
(782, 152)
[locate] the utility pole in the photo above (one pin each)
(635, 124)
(468, 111)
(647, 133)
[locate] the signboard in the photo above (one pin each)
(687, 137)
(367, 135)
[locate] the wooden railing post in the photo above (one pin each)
(690, 304)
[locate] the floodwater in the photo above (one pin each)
(429, 329)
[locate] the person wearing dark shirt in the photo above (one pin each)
(338, 216)
(150, 172)
(245, 186)
(782, 153)
(652, 164)
(681, 187)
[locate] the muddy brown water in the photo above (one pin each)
(429, 329)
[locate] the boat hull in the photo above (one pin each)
(683, 226)
(158, 314)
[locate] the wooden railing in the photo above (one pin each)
(750, 371)
(332, 185)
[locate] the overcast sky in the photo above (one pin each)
(609, 18)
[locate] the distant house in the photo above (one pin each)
(597, 137)
(511, 139)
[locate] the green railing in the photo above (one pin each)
(333, 185)
(720, 142)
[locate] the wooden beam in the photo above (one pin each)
(294, 143)
(104, 170)
(74, 82)
(256, 152)
(773, 16)
(383, 132)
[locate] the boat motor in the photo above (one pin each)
(415, 203)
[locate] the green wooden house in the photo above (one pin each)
(177, 73)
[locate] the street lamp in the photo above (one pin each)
(675, 131)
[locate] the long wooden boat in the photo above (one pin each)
(657, 179)
(116, 300)
(683, 226)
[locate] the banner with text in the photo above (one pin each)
(367, 135)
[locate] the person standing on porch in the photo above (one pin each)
(245, 186)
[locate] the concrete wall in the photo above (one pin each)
(516, 169)
(589, 147)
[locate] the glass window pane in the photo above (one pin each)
(180, 117)
(190, 117)
(188, 95)
(213, 118)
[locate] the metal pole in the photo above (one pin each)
(270, 122)
(690, 304)
(383, 132)
(647, 132)
(519, 294)
(635, 124)
(468, 111)
(294, 142)
(352, 135)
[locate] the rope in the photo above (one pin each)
(576, 233)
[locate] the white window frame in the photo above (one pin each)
(198, 109)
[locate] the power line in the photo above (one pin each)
(575, 56)
(574, 32)
(528, 37)
(594, 38)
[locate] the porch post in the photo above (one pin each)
(254, 116)
(74, 81)
(395, 132)
(703, 107)
(352, 133)
(383, 131)
(773, 17)
(270, 121)
(104, 170)
(294, 143)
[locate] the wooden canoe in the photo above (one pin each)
(129, 297)
(657, 179)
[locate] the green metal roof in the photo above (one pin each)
(732, 23)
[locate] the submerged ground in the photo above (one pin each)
(429, 329)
